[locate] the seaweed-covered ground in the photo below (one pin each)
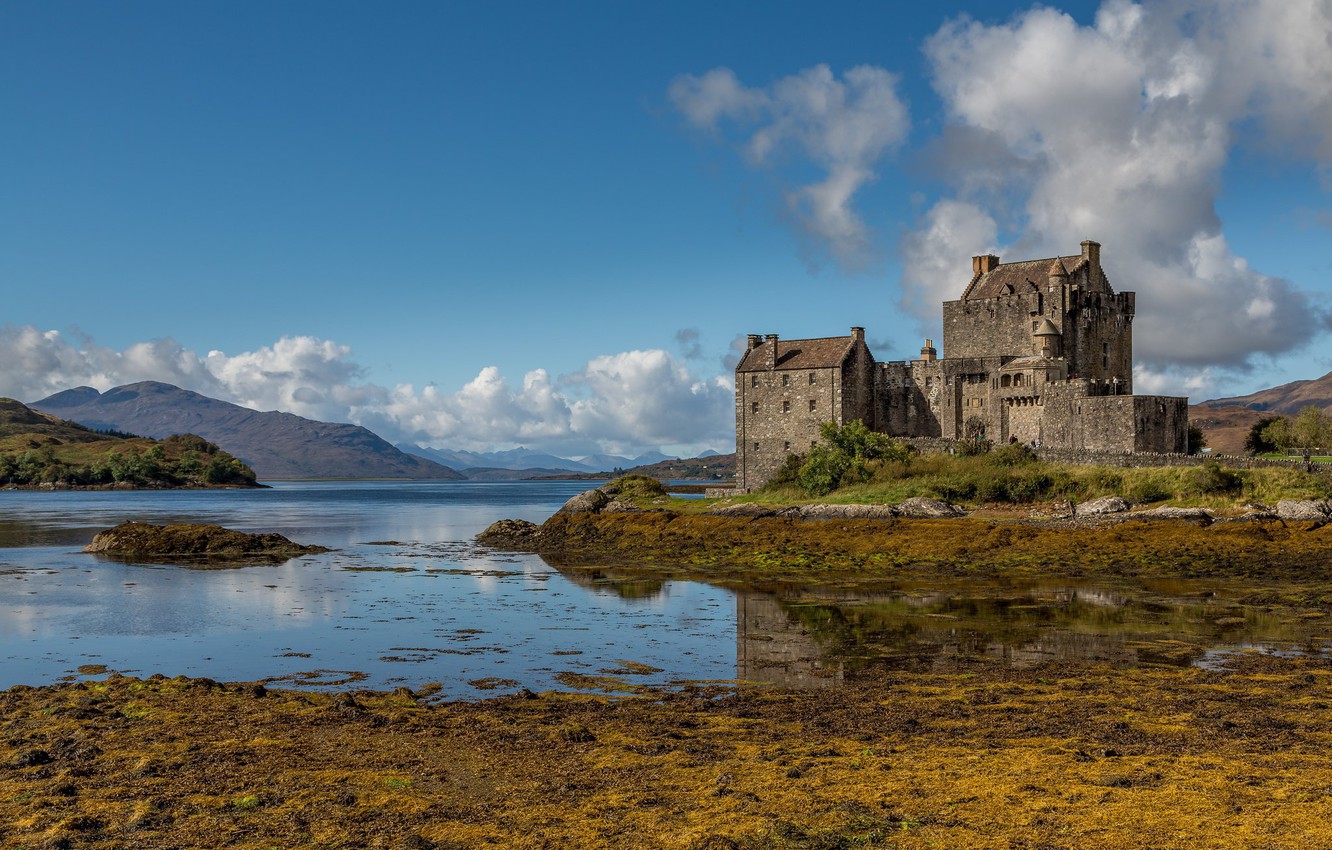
(722, 549)
(988, 757)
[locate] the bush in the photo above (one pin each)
(1149, 490)
(1013, 454)
(1212, 478)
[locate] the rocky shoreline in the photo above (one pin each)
(195, 542)
(927, 537)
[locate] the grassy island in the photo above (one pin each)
(40, 450)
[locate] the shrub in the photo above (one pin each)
(1149, 490)
(1212, 478)
(1013, 454)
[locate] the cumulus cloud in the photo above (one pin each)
(627, 402)
(1119, 132)
(844, 126)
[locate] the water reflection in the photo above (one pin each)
(800, 641)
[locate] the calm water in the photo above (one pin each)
(407, 599)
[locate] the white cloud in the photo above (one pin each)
(1119, 132)
(843, 125)
(627, 402)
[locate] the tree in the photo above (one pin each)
(844, 456)
(1256, 442)
(1197, 441)
(1310, 429)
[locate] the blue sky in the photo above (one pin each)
(485, 225)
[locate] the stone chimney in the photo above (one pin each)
(1091, 252)
(857, 334)
(984, 263)
(754, 340)
(772, 350)
(928, 352)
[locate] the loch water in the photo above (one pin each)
(406, 598)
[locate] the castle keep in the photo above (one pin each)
(1038, 351)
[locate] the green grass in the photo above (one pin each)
(1000, 478)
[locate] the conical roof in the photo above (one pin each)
(1046, 328)
(1057, 269)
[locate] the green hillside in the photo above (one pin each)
(37, 449)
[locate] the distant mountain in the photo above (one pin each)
(274, 444)
(603, 463)
(513, 459)
(1286, 399)
(713, 467)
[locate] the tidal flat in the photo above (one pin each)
(1052, 756)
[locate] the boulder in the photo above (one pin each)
(586, 502)
(919, 507)
(1103, 505)
(1172, 512)
(846, 512)
(615, 506)
(509, 533)
(1302, 509)
(741, 509)
(192, 541)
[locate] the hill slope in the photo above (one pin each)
(39, 449)
(276, 445)
(1286, 399)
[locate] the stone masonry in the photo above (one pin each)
(1036, 351)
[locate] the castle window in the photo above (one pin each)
(786, 446)
(928, 381)
(756, 445)
(1006, 381)
(812, 405)
(786, 380)
(753, 380)
(753, 408)
(811, 379)
(786, 407)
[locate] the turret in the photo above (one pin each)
(1046, 340)
(1058, 274)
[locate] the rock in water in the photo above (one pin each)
(514, 533)
(140, 539)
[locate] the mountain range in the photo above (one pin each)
(528, 460)
(276, 445)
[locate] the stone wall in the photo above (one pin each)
(779, 412)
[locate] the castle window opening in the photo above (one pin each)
(753, 408)
(756, 445)
(753, 380)
(1006, 381)
(786, 407)
(786, 446)
(812, 405)
(811, 379)
(786, 380)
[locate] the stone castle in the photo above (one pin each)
(1037, 351)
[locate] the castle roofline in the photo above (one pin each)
(826, 352)
(1020, 276)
